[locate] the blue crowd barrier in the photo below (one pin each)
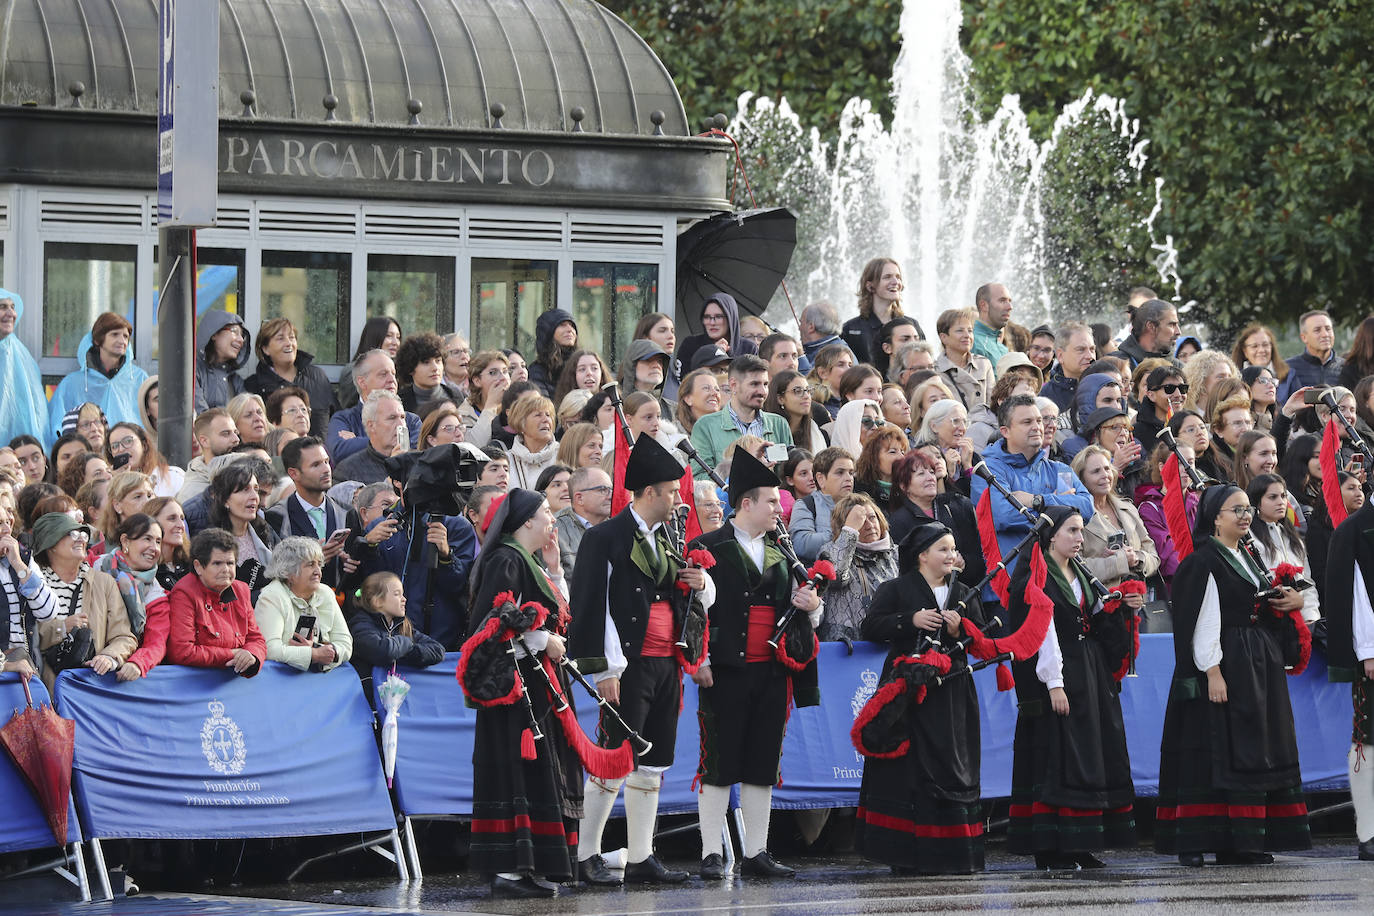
(200, 753)
(820, 768)
(23, 824)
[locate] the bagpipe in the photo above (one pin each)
(490, 675)
(794, 649)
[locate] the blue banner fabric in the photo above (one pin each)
(820, 768)
(23, 825)
(191, 753)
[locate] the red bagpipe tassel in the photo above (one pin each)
(1175, 508)
(1331, 478)
(1005, 680)
(1284, 575)
(600, 762)
(527, 748)
(987, 533)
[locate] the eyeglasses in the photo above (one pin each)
(298, 411)
(449, 429)
(119, 445)
(98, 423)
(1181, 388)
(1114, 427)
(712, 317)
(458, 351)
(799, 392)
(604, 488)
(870, 422)
(1241, 511)
(81, 537)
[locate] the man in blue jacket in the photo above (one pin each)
(1020, 463)
(1317, 365)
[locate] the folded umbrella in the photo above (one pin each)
(392, 691)
(41, 744)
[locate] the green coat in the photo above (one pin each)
(713, 433)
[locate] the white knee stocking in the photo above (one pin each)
(641, 812)
(1361, 761)
(598, 799)
(711, 805)
(756, 804)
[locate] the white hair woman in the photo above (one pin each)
(299, 618)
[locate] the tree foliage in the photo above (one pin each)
(1259, 115)
(817, 53)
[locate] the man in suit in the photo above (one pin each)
(629, 618)
(311, 512)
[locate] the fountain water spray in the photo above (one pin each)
(958, 201)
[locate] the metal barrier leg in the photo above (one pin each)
(739, 828)
(83, 881)
(101, 872)
(376, 844)
(398, 855)
(412, 850)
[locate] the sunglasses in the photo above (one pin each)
(870, 422)
(1181, 388)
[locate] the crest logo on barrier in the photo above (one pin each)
(222, 742)
(868, 685)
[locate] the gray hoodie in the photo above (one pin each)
(216, 385)
(637, 351)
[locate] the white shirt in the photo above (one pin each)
(1049, 664)
(1362, 618)
(615, 655)
(754, 547)
(1207, 633)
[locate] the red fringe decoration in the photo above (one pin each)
(487, 631)
(600, 762)
(692, 530)
(1127, 587)
(987, 533)
(489, 517)
(701, 559)
(937, 660)
(694, 667)
(1005, 680)
(822, 569)
(1284, 575)
(1175, 511)
(791, 663)
(527, 748)
(1331, 478)
(1026, 641)
(620, 497)
(885, 694)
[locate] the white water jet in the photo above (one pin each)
(956, 200)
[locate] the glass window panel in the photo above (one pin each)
(508, 295)
(314, 291)
(219, 284)
(608, 301)
(416, 291)
(80, 281)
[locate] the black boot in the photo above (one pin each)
(1088, 860)
(524, 888)
(1190, 859)
(1055, 861)
(713, 867)
(1367, 850)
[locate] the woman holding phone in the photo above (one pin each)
(298, 615)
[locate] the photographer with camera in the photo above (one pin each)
(430, 551)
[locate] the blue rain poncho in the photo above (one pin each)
(24, 407)
(117, 396)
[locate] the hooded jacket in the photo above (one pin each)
(1084, 403)
(115, 394)
(309, 378)
(738, 346)
(638, 351)
(216, 385)
(540, 373)
(24, 409)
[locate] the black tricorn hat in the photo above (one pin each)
(746, 473)
(650, 463)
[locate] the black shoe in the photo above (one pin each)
(1190, 859)
(1055, 861)
(524, 888)
(713, 867)
(764, 865)
(1367, 851)
(593, 871)
(1244, 858)
(1088, 860)
(651, 871)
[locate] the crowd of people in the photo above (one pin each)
(287, 538)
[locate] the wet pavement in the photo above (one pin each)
(1327, 879)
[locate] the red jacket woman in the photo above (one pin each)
(212, 623)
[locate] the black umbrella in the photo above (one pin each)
(745, 254)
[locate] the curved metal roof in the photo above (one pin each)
(439, 63)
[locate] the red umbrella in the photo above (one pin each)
(42, 743)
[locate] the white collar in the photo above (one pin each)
(743, 537)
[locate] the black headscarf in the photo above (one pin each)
(1209, 507)
(517, 507)
(1057, 515)
(917, 542)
